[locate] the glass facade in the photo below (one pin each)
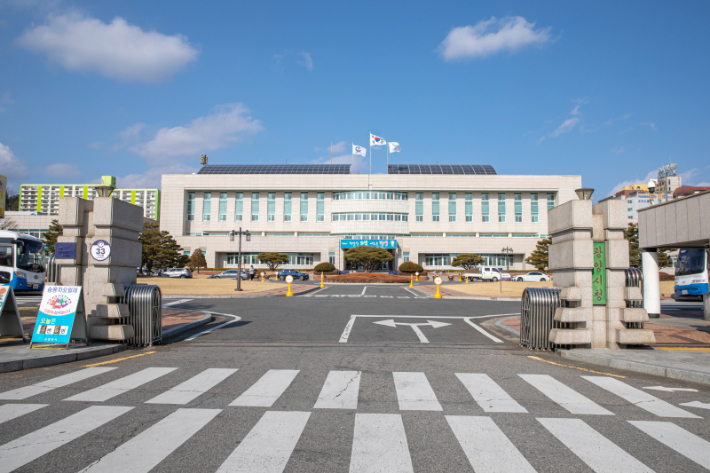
(434, 206)
(534, 207)
(222, 206)
(370, 195)
(254, 206)
(271, 207)
(206, 206)
(501, 207)
(495, 260)
(304, 206)
(320, 207)
(469, 207)
(331, 257)
(550, 201)
(369, 216)
(287, 206)
(452, 207)
(190, 206)
(518, 198)
(239, 207)
(485, 207)
(419, 207)
(405, 256)
(301, 259)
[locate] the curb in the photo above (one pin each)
(499, 324)
(60, 358)
(638, 367)
(471, 298)
(184, 327)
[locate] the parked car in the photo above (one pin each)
(230, 274)
(486, 273)
(292, 272)
(181, 273)
(533, 276)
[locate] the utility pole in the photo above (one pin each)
(239, 233)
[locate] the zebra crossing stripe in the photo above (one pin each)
(11, 411)
(687, 444)
(380, 445)
(488, 394)
(122, 385)
(268, 446)
(340, 391)
(25, 449)
(267, 390)
(54, 383)
(640, 398)
(414, 393)
(147, 449)
(564, 396)
(193, 387)
(486, 446)
(598, 452)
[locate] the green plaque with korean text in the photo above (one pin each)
(599, 275)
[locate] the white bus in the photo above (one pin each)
(21, 261)
(691, 272)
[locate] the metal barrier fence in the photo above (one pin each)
(634, 278)
(145, 307)
(536, 317)
(52, 274)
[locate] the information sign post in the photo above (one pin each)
(61, 318)
(10, 322)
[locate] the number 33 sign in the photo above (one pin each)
(100, 250)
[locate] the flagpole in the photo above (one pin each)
(352, 156)
(388, 155)
(331, 152)
(370, 151)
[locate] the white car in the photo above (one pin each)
(532, 276)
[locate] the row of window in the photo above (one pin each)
(370, 195)
(485, 206)
(253, 258)
(255, 204)
(362, 236)
(490, 260)
(368, 216)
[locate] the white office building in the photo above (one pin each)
(424, 213)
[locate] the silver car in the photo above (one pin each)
(231, 274)
(181, 273)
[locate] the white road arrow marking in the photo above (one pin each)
(698, 404)
(670, 390)
(415, 327)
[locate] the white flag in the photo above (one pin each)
(359, 150)
(376, 140)
(394, 147)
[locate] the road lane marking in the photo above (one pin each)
(110, 362)
(486, 446)
(495, 339)
(416, 296)
(146, 450)
(640, 398)
(25, 449)
(340, 391)
(598, 452)
(181, 301)
(12, 411)
(380, 445)
(488, 394)
(414, 393)
(363, 290)
(235, 318)
(267, 390)
(537, 358)
(194, 387)
(348, 329)
(687, 444)
(54, 383)
(565, 396)
(122, 385)
(269, 445)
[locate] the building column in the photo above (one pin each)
(651, 284)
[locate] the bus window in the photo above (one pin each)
(690, 261)
(6, 256)
(30, 255)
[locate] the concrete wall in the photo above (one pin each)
(683, 222)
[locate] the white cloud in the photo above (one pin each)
(67, 171)
(151, 178)
(117, 49)
(651, 125)
(5, 100)
(651, 175)
(338, 147)
(305, 60)
(359, 165)
(491, 36)
(566, 126)
(11, 165)
(617, 149)
(687, 176)
(229, 124)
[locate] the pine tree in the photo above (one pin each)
(540, 258)
(468, 261)
(160, 250)
(49, 238)
(197, 260)
(632, 234)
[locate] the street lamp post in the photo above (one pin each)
(239, 233)
(506, 251)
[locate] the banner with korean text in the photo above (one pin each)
(61, 316)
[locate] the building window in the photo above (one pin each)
(206, 206)
(304, 206)
(485, 207)
(287, 206)
(469, 207)
(190, 206)
(222, 206)
(434, 206)
(419, 207)
(369, 217)
(518, 207)
(534, 207)
(501, 207)
(550, 201)
(331, 257)
(254, 206)
(405, 256)
(239, 207)
(271, 207)
(320, 207)
(452, 207)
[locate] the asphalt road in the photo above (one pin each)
(282, 389)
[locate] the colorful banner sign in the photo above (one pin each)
(599, 275)
(386, 244)
(58, 313)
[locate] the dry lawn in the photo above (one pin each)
(667, 288)
(515, 289)
(367, 278)
(199, 285)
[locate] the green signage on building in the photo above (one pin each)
(599, 275)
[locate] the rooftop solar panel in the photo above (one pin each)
(275, 169)
(441, 169)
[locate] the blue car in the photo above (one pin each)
(292, 272)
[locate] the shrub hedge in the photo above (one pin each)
(410, 267)
(324, 268)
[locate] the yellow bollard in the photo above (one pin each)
(438, 294)
(262, 277)
(321, 280)
(288, 280)
(417, 273)
(411, 282)
(460, 278)
(467, 280)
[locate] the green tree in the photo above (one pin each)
(197, 260)
(540, 258)
(12, 200)
(468, 261)
(49, 238)
(368, 256)
(632, 235)
(160, 250)
(410, 267)
(664, 258)
(273, 260)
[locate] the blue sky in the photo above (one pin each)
(607, 90)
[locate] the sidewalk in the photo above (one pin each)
(447, 292)
(297, 289)
(15, 356)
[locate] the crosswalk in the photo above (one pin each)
(379, 440)
(358, 296)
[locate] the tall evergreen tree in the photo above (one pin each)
(160, 250)
(468, 261)
(49, 238)
(540, 258)
(632, 234)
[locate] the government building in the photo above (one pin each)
(427, 214)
